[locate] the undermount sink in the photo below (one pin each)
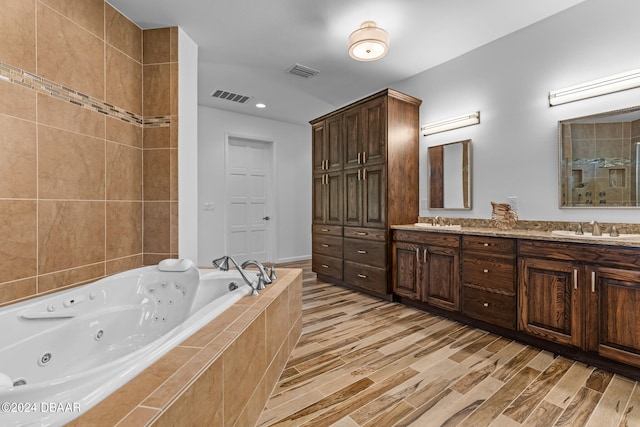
(605, 236)
(438, 227)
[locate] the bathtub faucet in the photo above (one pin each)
(263, 277)
(222, 263)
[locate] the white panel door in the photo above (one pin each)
(248, 181)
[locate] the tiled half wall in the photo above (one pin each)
(88, 136)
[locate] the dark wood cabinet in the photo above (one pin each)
(378, 171)
(427, 268)
(551, 301)
(489, 280)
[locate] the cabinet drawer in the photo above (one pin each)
(497, 309)
(327, 266)
(329, 230)
(327, 245)
(366, 276)
(489, 271)
(494, 245)
(377, 234)
(444, 240)
(366, 252)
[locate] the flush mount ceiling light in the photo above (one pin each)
(368, 42)
(452, 123)
(604, 86)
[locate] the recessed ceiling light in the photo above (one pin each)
(261, 105)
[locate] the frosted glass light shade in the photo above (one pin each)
(368, 42)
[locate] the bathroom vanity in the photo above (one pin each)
(577, 297)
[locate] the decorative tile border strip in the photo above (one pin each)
(47, 87)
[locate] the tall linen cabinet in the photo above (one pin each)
(365, 179)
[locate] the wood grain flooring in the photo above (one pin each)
(366, 362)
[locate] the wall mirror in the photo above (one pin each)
(450, 175)
(598, 157)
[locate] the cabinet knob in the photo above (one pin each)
(485, 271)
(485, 304)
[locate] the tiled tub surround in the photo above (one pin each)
(220, 376)
(88, 132)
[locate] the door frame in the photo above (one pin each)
(272, 196)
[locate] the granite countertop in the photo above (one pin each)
(525, 234)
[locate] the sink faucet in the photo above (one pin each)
(438, 220)
(223, 264)
(596, 229)
(263, 278)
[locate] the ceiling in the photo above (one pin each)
(247, 46)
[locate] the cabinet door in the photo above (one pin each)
(405, 270)
(352, 137)
(374, 140)
(550, 302)
(328, 198)
(614, 323)
(334, 150)
(374, 196)
(318, 209)
(439, 276)
(318, 146)
(352, 197)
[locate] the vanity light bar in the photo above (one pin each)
(452, 123)
(603, 86)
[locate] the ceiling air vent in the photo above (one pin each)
(230, 96)
(302, 71)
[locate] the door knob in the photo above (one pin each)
(266, 218)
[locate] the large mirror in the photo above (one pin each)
(599, 157)
(450, 175)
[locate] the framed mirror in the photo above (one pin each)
(599, 160)
(450, 175)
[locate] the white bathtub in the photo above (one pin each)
(64, 352)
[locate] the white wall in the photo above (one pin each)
(187, 147)
(515, 148)
(292, 179)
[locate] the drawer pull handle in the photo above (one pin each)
(325, 230)
(361, 233)
(362, 276)
(325, 266)
(362, 252)
(324, 245)
(486, 244)
(485, 271)
(485, 304)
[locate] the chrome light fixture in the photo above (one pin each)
(603, 86)
(452, 123)
(368, 42)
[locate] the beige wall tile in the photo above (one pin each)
(123, 132)
(157, 137)
(157, 170)
(277, 317)
(244, 363)
(174, 45)
(138, 417)
(67, 116)
(123, 34)
(251, 412)
(89, 14)
(18, 159)
(124, 229)
(18, 34)
(174, 88)
(174, 132)
(73, 276)
(156, 227)
(70, 234)
(123, 264)
(68, 54)
(11, 291)
(153, 259)
(18, 237)
(17, 101)
(173, 175)
(173, 245)
(295, 300)
(70, 166)
(124, 172)
(124, 81)
(157, 90)
(156, 47)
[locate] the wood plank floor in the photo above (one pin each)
(365, 362)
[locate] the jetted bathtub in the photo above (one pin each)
(62, 353)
